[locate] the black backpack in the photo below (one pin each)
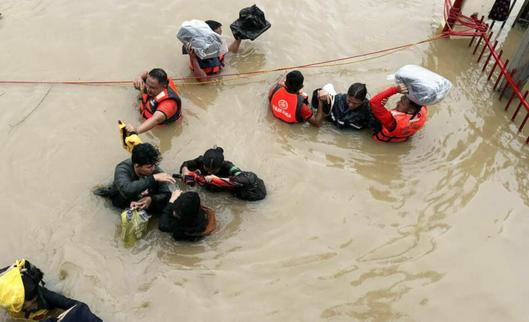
(251, 187)
(251, 23)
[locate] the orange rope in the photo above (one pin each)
(214, 78)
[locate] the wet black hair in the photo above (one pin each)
(145, 153)
(191, 220)
(294, 81)
(31, 278)
(160, 75)
(213, 158)
(30, 288)
(357, 90)
(213, 24)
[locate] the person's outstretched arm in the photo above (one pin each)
(323, 97)
(197, 71)
(139, 82)
(234, 46)
(379, 110)
(56, 300)
(157, 118)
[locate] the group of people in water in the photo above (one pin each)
(351, 110)
(139, 182)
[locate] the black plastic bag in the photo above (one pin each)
(251, 23)
(251, 187)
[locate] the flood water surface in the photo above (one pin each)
(433, 229)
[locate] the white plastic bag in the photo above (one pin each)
(425, 87)
(205, 42)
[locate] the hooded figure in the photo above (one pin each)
(186, 219)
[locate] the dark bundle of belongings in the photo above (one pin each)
(251, 24)
(249, 186)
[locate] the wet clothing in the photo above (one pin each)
(46, 302)
(288, 107)
(191, 227)
(168, 102)
(79, 313)
(396, 126)
(227, 170)
(127, 187)
(29, 283)
(343, 117)
(210, 66)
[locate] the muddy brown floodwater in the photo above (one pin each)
(434, 229)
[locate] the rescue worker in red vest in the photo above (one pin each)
(203, 67)
(290, 104)
(399, 124)
(160, 101)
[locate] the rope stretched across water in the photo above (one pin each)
(213, 78)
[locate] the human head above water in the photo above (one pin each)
(213, 159)
(405, 105)
(215, 26)
(294, 81)
(156, 81)
(356, 94)
(145, 157)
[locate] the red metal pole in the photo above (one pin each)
(479, 42)
(486, 46)
(500, 76)
(524, 121)
(474, 37)
(505, 87)
(519, 105)
(509, 102)
(494, 66)
(455, 10)
(490, 54)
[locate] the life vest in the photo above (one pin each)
(12, 293)
(210, 66)
(286, 106)
(407, 126)
(148, 105)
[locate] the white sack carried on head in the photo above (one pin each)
(205, 42)
(425, 87)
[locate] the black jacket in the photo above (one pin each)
(357, 119)
(129, 187)
(227, 170)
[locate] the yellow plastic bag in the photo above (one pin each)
(128, 140)
(133, 225)
(12, 288)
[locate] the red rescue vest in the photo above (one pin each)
(286, 106)
(148, 105)
(407, 126)
(210, 70)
